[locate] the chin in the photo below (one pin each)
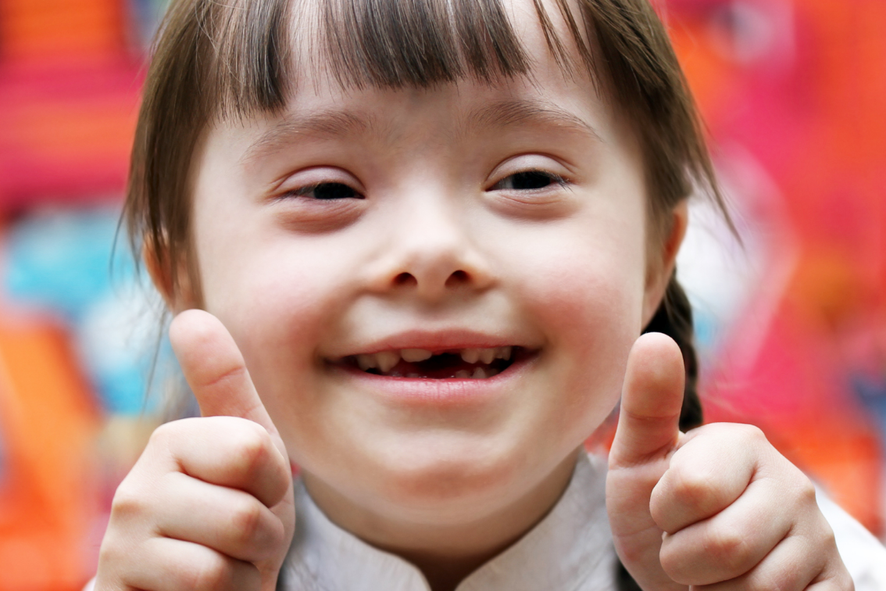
(447, 489)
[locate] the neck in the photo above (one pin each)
(453, 544)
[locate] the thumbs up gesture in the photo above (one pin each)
(209, 504)
(718, 508)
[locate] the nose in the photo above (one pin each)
(431, 252)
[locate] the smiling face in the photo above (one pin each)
(435, 290)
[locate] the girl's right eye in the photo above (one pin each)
(325, 191)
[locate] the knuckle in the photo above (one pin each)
(128, 502)
(254, 531)
(752, 433)
(806, 492)
(251, 448)
(778, 579)
(781, 581)
(728, 547)
(825, 539)
(691, 487)
(111, 553)
(212, 573)
(247, 519)
(745, 435)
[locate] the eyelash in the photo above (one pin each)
(308, 189)
(553, 178)
(344, 191)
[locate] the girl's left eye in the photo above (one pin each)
(528, 180)
(327, 191)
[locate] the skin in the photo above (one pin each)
(432, 245)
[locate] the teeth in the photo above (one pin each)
(463, 373)
(415, 355)
(486, 356)
(366, 362)
(387, 360)
(479, 374)
(470, 355)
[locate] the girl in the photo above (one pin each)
(433, 232)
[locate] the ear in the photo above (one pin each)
(662, 260)
(178, 293)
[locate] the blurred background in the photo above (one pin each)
(791, 319)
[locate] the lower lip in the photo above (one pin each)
(453, 392)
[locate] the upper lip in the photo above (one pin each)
(435, 342)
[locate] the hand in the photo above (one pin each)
(209, 504)
(718, 508)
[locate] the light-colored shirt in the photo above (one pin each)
(569, 550)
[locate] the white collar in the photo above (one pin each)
(569, 550)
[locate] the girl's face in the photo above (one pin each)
(435, 291)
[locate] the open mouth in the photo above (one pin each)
(474, 364)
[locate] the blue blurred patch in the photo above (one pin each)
(64, 263)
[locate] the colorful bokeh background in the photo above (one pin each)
(791, 319)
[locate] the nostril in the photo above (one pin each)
(404, 279)
(457, 278)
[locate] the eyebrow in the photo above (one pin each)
(337, 123)
(518, 112)
(329, 123)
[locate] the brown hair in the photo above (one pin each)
(216, 60)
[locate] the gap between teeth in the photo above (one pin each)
(386, 360)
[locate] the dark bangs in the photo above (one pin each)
(360, 43)
(420, 43)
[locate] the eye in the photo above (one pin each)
(326, 191)
(529, 180)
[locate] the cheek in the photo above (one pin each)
(584, 286)
(594, 321)
(589, 305)
(277, 297)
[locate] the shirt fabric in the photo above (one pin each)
(569, 550)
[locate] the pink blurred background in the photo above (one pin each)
(791, 323)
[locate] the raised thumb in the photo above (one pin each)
(215, 370)
(652, 397)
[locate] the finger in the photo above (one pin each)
(646, 434)
(227, 451)
(731, 543)
(648, 423)
(227, 520)
(215, 369)
(166, 564)
(711, 468)
(789, 566)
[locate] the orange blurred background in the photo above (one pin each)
(791, 323)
